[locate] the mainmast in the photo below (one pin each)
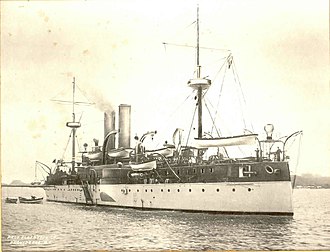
(73, 125)
(199, 83)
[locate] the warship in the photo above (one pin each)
(177, 176)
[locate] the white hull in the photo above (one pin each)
(254, 198)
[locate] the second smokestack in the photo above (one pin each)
(124, 139)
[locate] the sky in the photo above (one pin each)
(116, 52)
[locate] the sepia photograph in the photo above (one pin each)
(165, 125)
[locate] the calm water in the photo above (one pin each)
(55, 226)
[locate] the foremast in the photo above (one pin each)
(74, 126)
(199, 84)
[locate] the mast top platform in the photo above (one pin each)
(199, 83)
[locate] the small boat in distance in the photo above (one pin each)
(32, 200)
(12, 200)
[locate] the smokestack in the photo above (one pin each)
(124, 126)
(109, 125)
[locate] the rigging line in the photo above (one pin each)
(220, 92)
(298, 157)
(217, 115)
(66, 145)
(179, 32)
(182, 103)
(63, 91)
(240, 103)
(289, 147)
(213, 120)
(240, 149)
(218, 130)
(192, 122)
(70, 102)
(191, 46)
(214, 62)
(242, 93)
(84, 94)
(177, 108)
(164, 43)
(235, 74)
(174, 112)
(216, 75)
(227, 129)
(77, 144)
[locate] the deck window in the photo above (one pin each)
(202, 170)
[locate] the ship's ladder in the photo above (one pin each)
(87, 193)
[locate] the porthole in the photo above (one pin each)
(168, 190)
(137, 190)
(189, 190)
(146, 190)
(233, 190)
(161, 190)
(249, 189)
(218, 189)
(178, 190)
(269, 169)
(203, 190)
(150, 190)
